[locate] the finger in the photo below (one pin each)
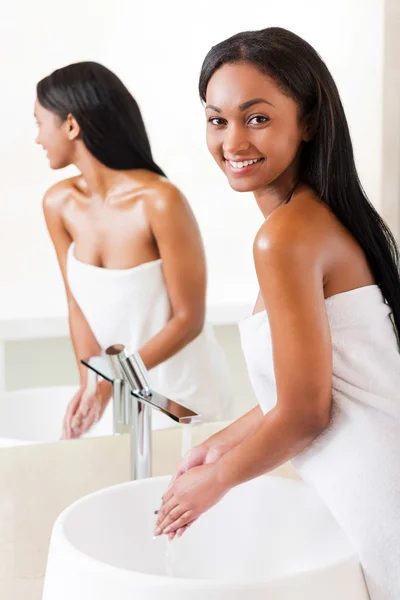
(182, 530)
(87, 402)
(171, 517)
(168, 495)
(181, 521)
(70, 412)
(75, 424)
(66, 428)
(90, 419)
(73, 405)
(165, 510)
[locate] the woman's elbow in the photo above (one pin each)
(192, 324)
(317, 421)
(311, 421)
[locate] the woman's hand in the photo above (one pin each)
(204, 454)
(85, 409)
(188, 497)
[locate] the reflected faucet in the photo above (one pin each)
(133, 401)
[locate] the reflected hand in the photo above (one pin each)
(188, 497)
(85, 409)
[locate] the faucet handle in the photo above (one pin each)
(132, 366)
(136, 374)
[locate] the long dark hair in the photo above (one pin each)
(327, 162)
(109, 117)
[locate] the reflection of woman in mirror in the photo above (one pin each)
(128, 246)
(321, 346)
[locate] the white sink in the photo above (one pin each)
(269, 539)
(35, 415)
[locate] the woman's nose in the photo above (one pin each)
(235, 140)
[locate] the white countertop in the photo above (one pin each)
(33, 308)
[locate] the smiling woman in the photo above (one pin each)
(321, 347)
(240, 137)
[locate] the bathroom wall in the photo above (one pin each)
(390, 206)
(157, 49)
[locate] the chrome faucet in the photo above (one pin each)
(133, 401)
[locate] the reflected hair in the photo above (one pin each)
(326, 162)
(109, 118)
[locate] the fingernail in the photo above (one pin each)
(179, 533)
(157, 531)
(168, 529)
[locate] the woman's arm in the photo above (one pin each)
(83, 339)
(290, 271)
(236, 432)
(289, 266)
(179, 242)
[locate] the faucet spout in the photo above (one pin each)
(128, 373)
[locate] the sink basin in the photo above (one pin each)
(35, 415)
(269, 539)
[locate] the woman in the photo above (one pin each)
(128, 246)
(321, 346)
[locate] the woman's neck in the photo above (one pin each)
(101, 180)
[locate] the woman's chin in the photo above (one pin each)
(55, 165)
(243, 185)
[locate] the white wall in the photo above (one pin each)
(390, 205)
(157, 49)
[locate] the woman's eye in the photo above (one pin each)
(216, 121)
(258, 120)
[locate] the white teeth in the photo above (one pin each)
(245, 163)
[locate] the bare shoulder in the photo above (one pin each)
(163, 198)
(300, 228)
(58, 194)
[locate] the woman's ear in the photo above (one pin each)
(309, 127)
(73, 129)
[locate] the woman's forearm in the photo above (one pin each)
(176, 334)
(237, 431)
(278, 438)
(83, 340)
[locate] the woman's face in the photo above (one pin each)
(53, 136)
(253, 129)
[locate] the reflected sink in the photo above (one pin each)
(268, 539)
(32, 416)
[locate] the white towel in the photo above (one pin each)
(130, 306)
(355, 464)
